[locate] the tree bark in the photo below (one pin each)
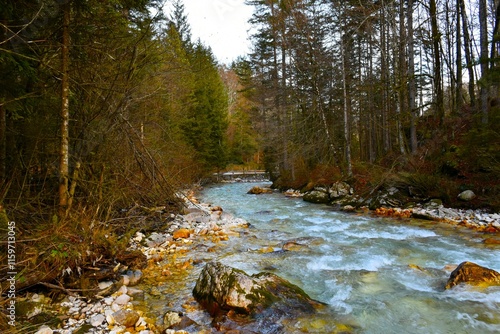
(437, 61)
(483, 59)
(347, 107)
(468, 53)
(458, 87)
(64, 143)
(411, 80)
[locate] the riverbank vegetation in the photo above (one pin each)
(378, 92)
(109, 108)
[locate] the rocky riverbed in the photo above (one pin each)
(123, 310)
(120, 308)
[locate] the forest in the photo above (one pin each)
(109, 109)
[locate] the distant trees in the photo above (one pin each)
(343, 81)
(110, 87)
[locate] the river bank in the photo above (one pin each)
(174, 257)
(122, 306)
(400, 203)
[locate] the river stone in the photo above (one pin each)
(134, 277)
(127, 318)
(97, 320)
(171, 318)
(316, 196)
(181, 233)
(122, 300)
(220, 287)
(473, 274)
(259, 190)
(339, 189)
(466, 195)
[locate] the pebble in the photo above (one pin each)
(122, 299)
(97, 320)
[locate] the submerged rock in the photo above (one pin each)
(259, 190)
(473, 274)
(263, 300)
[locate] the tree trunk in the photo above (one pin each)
(468, 53)
(347, 106)
(458, 87)
(437, 62)
(411, 80)
(64, 144)
(483, 41)
(402, 77)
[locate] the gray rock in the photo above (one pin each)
(339, 190)
(223, 287)
(122, 300)
(134, 277)
(316, 196)
(466, 195)
(97, 320)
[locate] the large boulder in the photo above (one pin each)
(339, 190)
(317, 195)
(264, 299)
(473, 274)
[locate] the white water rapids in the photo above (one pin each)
(360, 266)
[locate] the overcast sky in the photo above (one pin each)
(222, 25)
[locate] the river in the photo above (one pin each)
(377, 275)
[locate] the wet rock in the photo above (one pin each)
(134, 277)
(466, 195)
(317, 196)
(127, 318)
(294, 246)
(221, 287)
(473, 274)
(259, 190)
(136, 294)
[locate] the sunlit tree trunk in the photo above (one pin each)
(64, 143)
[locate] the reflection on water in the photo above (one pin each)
(377, 275)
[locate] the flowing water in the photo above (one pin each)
(375, 275)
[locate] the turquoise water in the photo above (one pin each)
(360, 266)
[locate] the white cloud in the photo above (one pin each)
(220, 24)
